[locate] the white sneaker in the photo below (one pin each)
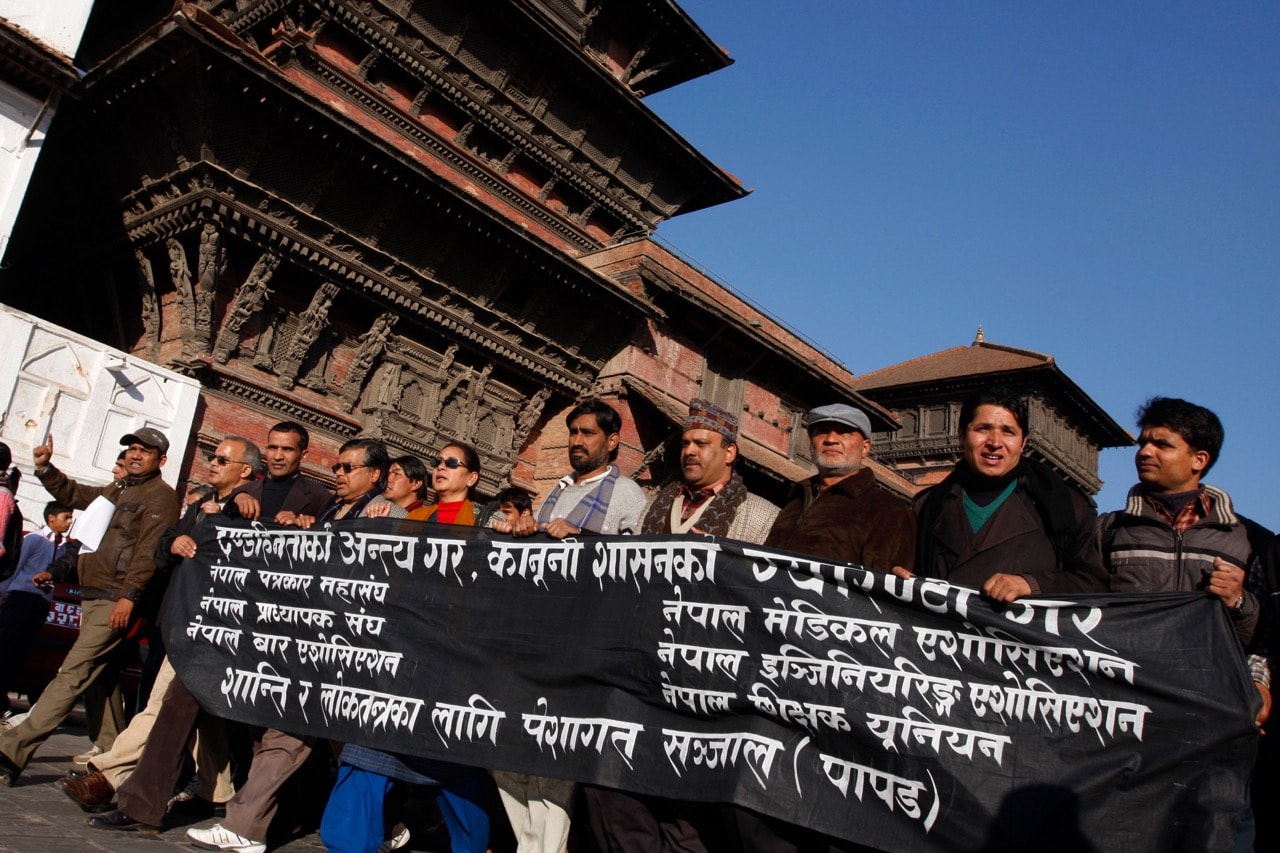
(218, 838)
(86, 757)
(396, 842)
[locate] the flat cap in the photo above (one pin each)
(841, 413)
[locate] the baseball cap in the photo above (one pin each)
(149, 437)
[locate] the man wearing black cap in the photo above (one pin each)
(112, 579)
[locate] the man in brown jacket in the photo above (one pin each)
(112, 580)
(840, 514)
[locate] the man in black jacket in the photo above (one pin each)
(284, 493)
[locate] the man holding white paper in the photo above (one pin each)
(112, 579)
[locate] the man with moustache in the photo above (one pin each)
(838, 514)
(709, 498)
(1177, 533)
(112, 578)
(593, 498)
(360, 477)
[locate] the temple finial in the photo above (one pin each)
(979, 338)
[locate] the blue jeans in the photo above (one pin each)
(352, 821)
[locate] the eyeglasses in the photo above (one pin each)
(345, 467)
(223, 460)
(450, 463)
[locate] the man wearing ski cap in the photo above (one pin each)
(709, 497)
(112, 579)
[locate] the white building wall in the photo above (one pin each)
(24, 119)
(87, 396)
(58, 23)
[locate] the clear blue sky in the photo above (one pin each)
(1095, 181)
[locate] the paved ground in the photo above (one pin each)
(35, 817)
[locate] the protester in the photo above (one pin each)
(1003, 523)
(708, 498)
(406, 487)
(1180, 534)
(512, 503)
(10, 517)
(840, 513)
(155, 738)
(360, 477)
(284, 494)
(353, 818)
(112, 579)
(594, 497)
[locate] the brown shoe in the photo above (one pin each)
(93, 793)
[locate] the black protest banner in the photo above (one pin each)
(909, 715)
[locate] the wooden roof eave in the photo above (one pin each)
(622, 94)
(228, 45)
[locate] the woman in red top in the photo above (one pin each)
(456, 473)
(353, 817)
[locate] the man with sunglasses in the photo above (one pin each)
(164, 725)
(360, 477)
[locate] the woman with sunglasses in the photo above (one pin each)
(456, 472)
(353, 819)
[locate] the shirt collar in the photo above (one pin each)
(567, 481)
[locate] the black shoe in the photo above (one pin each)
(197, 807)
(121, 822)
(9, 772)
(80, 772)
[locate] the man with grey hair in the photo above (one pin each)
(232, 465)
(840, 513)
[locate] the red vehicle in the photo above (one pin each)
(57, 635)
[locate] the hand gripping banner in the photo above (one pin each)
(906, 715)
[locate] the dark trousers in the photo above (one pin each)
(20, 622)
(145, 795)
(623, 822)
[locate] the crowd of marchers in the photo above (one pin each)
(1001, 523)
